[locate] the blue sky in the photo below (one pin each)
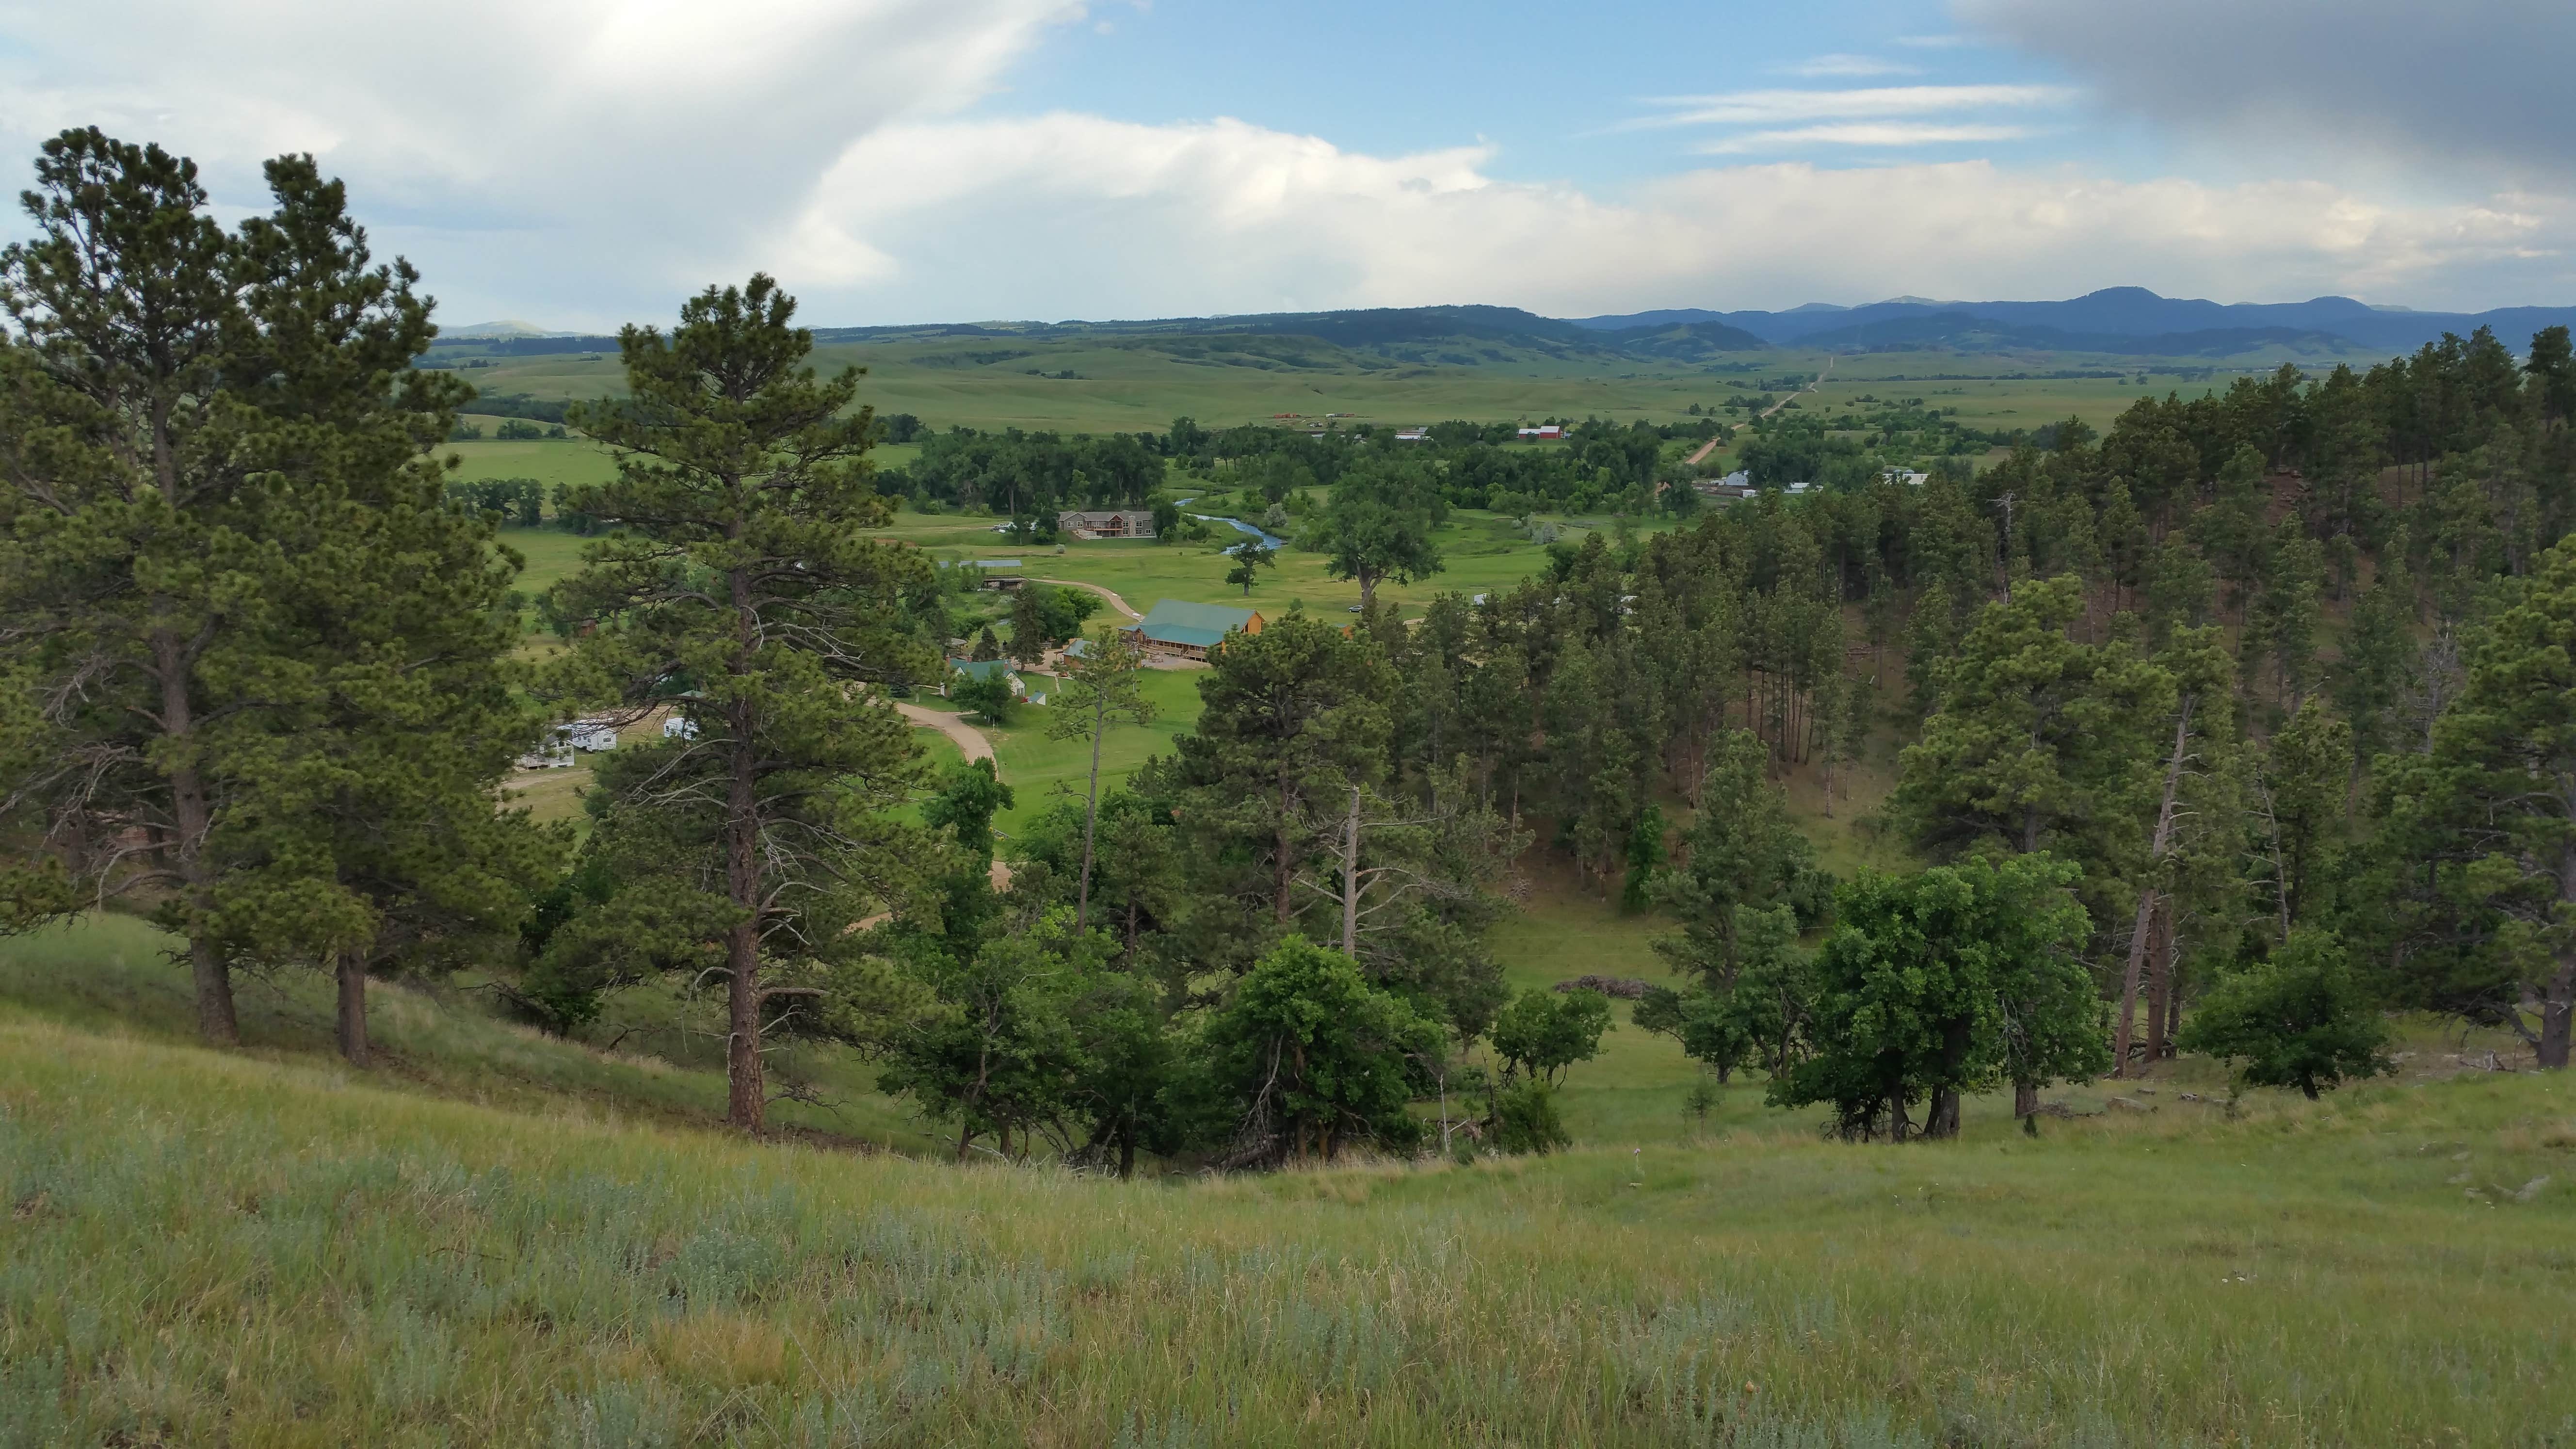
(584, 162)
(1560, 91)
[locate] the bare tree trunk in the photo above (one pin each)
(1090, 813)
(2147, 896)
(1351, 879)
(2025, 1100)
(1285, 864)
(352, 971)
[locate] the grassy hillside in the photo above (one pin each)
(268, 1249)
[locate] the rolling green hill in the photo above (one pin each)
(497, 1239)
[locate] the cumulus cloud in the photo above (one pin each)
(1069, 215)
(2478, 86)
(617, 147)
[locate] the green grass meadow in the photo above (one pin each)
(497, 1239)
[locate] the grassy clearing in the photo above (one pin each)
(267, 1251)
(1044, 772)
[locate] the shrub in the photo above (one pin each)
(1526, 1119)
(2298, 1020)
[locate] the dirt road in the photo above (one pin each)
(1793, 397)
(970, 740)
(1115, 602)
(970, 743)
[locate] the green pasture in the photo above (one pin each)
(1137, 384)
(1482, 552)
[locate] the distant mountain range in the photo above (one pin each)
(2117, 321)
(2129, 320)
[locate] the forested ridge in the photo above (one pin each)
(2228, 730)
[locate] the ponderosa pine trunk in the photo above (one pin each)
(2160, 985)
(352, 973)
(746, 1093)
(193, 820)
(2558, 1015)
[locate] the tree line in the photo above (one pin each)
(2225, 730)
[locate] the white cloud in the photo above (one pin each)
(1850, 65)
(1863, 133)
(610, 147)
(1772, 107)
(1068, 215)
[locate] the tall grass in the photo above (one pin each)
(199, 1248)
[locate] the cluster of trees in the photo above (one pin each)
(2223, 731)
(254, 670)
(1021, 474)
(520, 502)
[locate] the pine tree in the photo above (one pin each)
(740, 588)
(1028, 628)
(1104, 688)
(1743, 854)
(1294, 716)
(224, 544)
(2037, 741)
(2491, 810)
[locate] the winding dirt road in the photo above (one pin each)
(973, 745)
(1111, 595)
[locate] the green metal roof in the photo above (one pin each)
(1172, 613)
(980, 668)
